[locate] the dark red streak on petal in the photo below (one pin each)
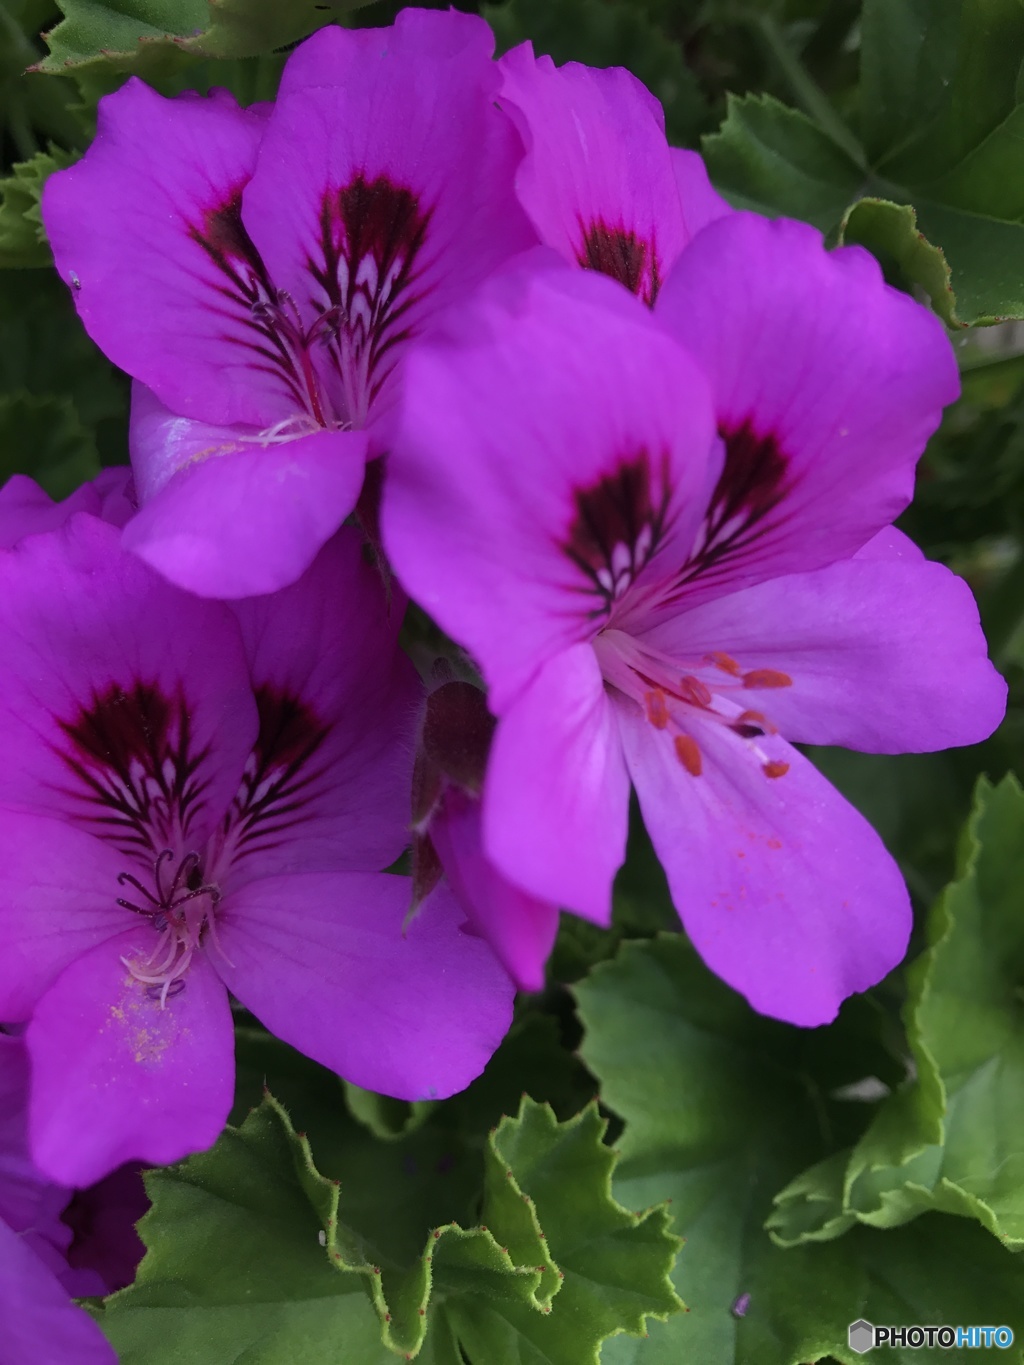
(224, 238)
(623, 512)
(280, 777)
(622, 255)
(383, 223)
(751, 486)
(132, 752)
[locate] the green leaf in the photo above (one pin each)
(721, 1108)
(718, 1106)
(44, 437)
(953, 1139)
(769, 157)
(607, 1269)
(22, 237)
(251, 1249)
(236, 1269)
(891, 232)
(609, 33)
(45, 353)
(937, 78)
(935, 187)
(938, 1270)
(150, 38)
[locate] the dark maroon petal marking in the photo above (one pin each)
(251, 303)
(283, 773)
(371, 237)
(624, 256)
(619, 524)
(751, 485)
(136, 766)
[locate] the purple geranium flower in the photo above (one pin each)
(196, 799)
(671, 565)
(260, 273)
(40, 1323)
(599, 181)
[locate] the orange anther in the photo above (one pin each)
(757, 718)
(725, 663)
(689, 755)
(657, 708)
(773, 768)
(691, 689)
(766, 677)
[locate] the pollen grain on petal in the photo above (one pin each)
(689, 755)
(766, 677)
(775, 768)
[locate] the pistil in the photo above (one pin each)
(182, 914)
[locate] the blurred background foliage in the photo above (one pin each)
(897, 124)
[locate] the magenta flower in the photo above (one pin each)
(40, 1323)
(448, 776)
(261, 271)
(196, 800)
(599, 181)
(655, 603)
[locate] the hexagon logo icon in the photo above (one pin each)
(861, 1336)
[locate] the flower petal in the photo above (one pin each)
(25, 510)
(41, 1323)
(885, 655)
(826, 384)
(236, 518)
(556, 797)
(29, 1203)
(701, 204)
(337, 700)
(58, 900)
(146, 229)
(786, 891)
(116, 1077)
(124, 703)
(541, 466)
(598, 180)
(520, 928)
(367, 215)
(323, 962)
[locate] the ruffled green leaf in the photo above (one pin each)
(718, 1104)
(510, 1241)
(934, 184)
(22, 237)
(150, 38)
(953, 1138)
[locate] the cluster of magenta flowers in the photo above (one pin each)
(465, 331)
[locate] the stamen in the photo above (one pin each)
(163, 972)
(657, 708)
(766, 677)
(691, 689)
(689, 754)
(775, 768)
(724, 663)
